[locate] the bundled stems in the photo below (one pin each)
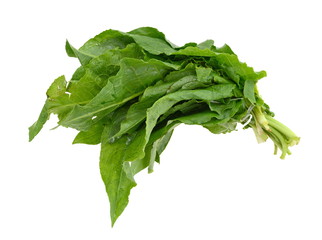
(266, 126)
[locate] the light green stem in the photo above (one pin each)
(267, 126)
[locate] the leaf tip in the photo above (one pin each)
(112, 223)
(69, 49)
(114, 217)
(31, 137)
(31, 134)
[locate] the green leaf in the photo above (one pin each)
(109, 39)
(217, 78)
(116, 173)
(235, 69)
(180, 83)
(55, 91)
(148, 32)
(151, 40)
(153, 45)
(98, 71)
(227, 109)
(162, 136)
(151, 32)
(88, 82)
(57, 88)
(83, 57)
(195, 51)
(141, 163)
(78, 74)
(220, 126)
(249, 90)
(224, 49)
(137, 112)
(206, 44)
(38, 125)
(198, 118)
(188, 70)
(133, 78)
(183, 107)
(165, 103)
(204, 74)
(92, 136)
(163, 142)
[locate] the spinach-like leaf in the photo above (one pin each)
(133, 88)
(92, 136)
(137, 112)
(55, 92)
(165, 103)
(132, 79)
(116, 173)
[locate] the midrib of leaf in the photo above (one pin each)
(118, 188)
(104, 108)
(90, 55)
(72, 104)
(51, 110)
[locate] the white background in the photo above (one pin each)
(223, 187)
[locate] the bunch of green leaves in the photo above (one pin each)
(133, 88)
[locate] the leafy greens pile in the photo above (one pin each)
(132, 89)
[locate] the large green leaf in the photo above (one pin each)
(150, 39)
(153, 45)
(172, 82)
(94, 76)
(182, 107)
(109, 39)
(225, 60)
(148, 32)
(160, 137)
(132, 79)
(137, 112)
(116, 173)
(165, 103)
(54, 93)
(153, 148)
(235, 69)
